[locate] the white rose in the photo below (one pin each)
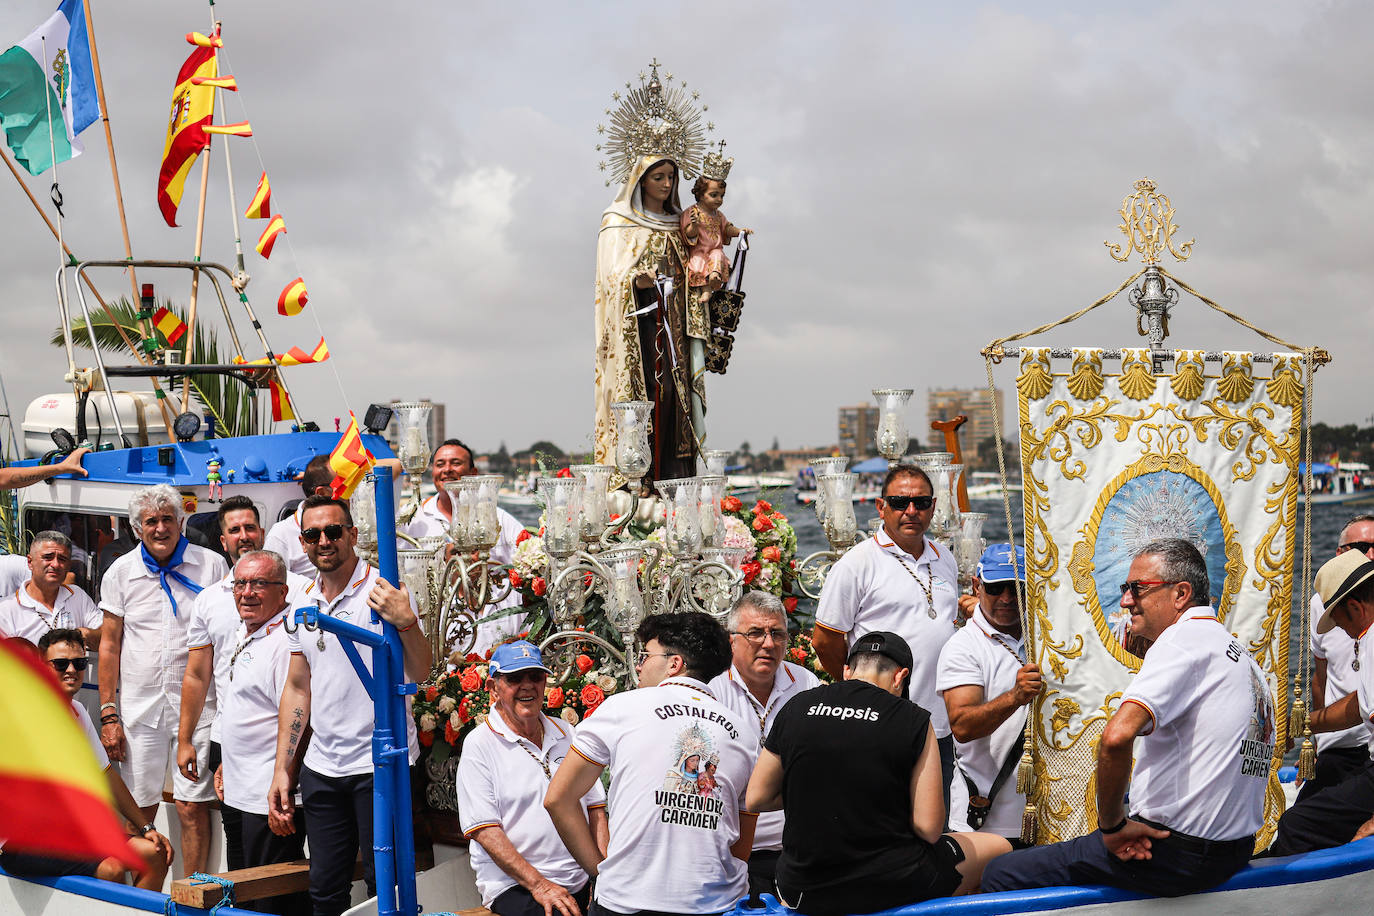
(428, 723)
(568, 715)
(455, 721)
(606, 683)
(447, 705)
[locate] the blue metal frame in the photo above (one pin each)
(393, 836)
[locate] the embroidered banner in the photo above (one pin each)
(1114, 456)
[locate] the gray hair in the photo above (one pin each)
(278, 564)
(759, 600)
(50, 537)
(1181, 562)
(147, 499)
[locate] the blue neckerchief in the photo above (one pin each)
(169, 569)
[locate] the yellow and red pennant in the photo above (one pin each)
(192, 108)
(205, 41)
(64, 811)
(241, 129)
(261, 205)
(269, 236)
(172, 327)
(216, 82)
(281, 401)
(293, 298)
(350, 460)
(293, 357)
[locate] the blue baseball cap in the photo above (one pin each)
(521, 655)
(996, 566)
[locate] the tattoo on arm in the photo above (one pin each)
(297, 724)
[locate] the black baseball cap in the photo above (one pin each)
(890, 645)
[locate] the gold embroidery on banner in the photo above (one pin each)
(1137, 382)
(1235, 383)
(1085, 381)
(1188, 380)
(1035, 380)
(1285, 388)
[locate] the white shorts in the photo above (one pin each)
(152, 754)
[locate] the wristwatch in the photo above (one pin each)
(146, 829)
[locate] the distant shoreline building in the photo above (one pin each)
(858, 427)
(974, 403)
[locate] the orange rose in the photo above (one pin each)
(539, 586)
(469, 682)
(431, 693)
(592, 697)
(450, 734)
(799, 654)
(761, 523)
(772, 554)
(731, 504)
(555, 698)
(515, 580)
(465, 710)
(762, 506)
(584, 664)
(523, 536)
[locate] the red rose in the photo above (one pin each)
(761, 523)
(555, 698)
(592, 696)
(523, 536)
(731, 504)
(515, 580)
(426, 738)
(473, 657)
(790, 603)
(470, 682)
(584, 664)
(465, 710)
(772, 554)
(751, 571)
(450, 735)
(539, 586)
(777, 516)
(798, 653)
(566, 472)
(431, 693)
(762, 506)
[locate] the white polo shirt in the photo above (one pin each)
(501, 783)
(152, 659)
(1202, 765)
(215, 623)
(1337, 649)
(979, 655)
(341, 713)
(249, 705)
(14, 572)
(1365, 689)
(88, 728)
(729, 688)
(21, 614)
(285, 538)
(672, 822)
(869, 589)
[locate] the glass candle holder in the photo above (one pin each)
(486, 521)
(945, 521)
(596, 510)
(682, 515)
(624, 601)
(462, 496)
(841, 527)
(363, 504)
(732, 557)
(927, 460)
(414, 565)
(712, 517)
(632, 455)
(562, 497)
(819, 468)
(412, 421)
(892, 437)
(714, 461)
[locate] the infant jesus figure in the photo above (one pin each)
(707, 231)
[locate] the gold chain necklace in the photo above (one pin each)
(927, 587)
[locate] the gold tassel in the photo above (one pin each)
(1307, 758)
(1298, 717)
(1028, 818)
(1025, 771)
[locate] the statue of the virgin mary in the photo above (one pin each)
(650, 336)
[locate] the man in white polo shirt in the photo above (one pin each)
(45, 602)
(679, 763)
(147, 595)
(323, 690)
(523, 868)
(755, 686)
(899, 581)
(1206, 716)
(212, 636)
(987, 684)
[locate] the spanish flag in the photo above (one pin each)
(292, 299)
(241, 129)
(54, 809)
(293, 357)
(216, 82)
(172, 327)
(350, 460)
(261, 205)
(269, 236)
(192, 108)
(205, 41)
(281, 401)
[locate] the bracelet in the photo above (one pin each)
(1108, 831)
(410, 626)
(105, 706)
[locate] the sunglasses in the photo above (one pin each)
(1139, 585)
(526, 677)
(61, 664)
(312, 535)
(899, 503)
(996, 588)
(1361, 546)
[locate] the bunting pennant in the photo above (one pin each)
(293, 298)
(204, 41)
(64, 811)
(261, 205)
(192, 108)
(241, 129)
(269, 236)
(293, 357)
(172, 327)
(350, 460)
(216, 82)
(281, 401)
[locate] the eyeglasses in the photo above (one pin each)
(333, 532)
(899, 503)
(254, 585)
(61, 664)
(996, 588)
(643, 655)
(1139, 585)
(757, 636)
(526, 677)
(1361, 546)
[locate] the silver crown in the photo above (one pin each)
(714, 165)
(655, 118)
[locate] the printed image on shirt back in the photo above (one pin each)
(1257, 748)
(690, 795)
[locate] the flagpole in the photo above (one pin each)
(146, 325)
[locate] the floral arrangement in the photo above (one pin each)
(458, 701)
(772, 547)
(800, 651)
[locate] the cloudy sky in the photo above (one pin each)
(922, 178)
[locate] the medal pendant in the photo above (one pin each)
(1355, 665)
(319, 643)
(931, 612)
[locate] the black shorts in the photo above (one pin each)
(936, 875)
(23, 865)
